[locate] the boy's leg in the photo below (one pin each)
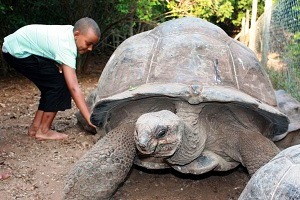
(42, 125)
(55, 95)
(44, 131)
(36, 123)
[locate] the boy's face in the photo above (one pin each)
(85, 42)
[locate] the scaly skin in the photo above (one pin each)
(99, 172)
(237, 134)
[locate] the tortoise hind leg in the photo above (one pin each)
(99, 172)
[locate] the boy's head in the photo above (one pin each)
(86, 34)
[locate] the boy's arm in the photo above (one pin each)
(78, 97)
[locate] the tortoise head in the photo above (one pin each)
(158, 133)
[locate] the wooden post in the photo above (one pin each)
(247, 21)
(252, 34)
(247, 25)
(243, 31)
(266, 32)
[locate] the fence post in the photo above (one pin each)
(266, 32)
(252, 34)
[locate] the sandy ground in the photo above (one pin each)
(39, 168)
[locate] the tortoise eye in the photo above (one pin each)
(161, 133)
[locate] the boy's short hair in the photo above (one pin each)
(86, 23)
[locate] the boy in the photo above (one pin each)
(46, 55)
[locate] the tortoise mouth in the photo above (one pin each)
(144, 151)
(156, 149)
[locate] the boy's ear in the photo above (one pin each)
(76, 34)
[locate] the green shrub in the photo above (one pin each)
(289, 78)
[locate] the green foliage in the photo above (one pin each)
(291, 82)
(10, 18)
(213, 10)
(150, 10)
(288, 78)
(124, 6)
(242, 6)
(144, 10)
(227, 14)
(293, 50)
(206, 9)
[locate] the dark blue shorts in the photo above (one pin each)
(44, 73)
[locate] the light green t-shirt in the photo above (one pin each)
(55, 42)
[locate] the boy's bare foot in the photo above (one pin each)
(5, 175)
(32, 131)
(50, 135)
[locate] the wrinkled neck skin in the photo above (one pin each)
(193, 136)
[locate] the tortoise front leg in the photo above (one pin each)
(99, 172)
(256, 150)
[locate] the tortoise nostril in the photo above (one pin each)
(141, 144)
(142, 147)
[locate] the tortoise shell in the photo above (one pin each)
(190, 59)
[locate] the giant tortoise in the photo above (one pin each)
(291, 108)
(278, 179)
(185, 96)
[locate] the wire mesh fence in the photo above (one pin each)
(282, 38)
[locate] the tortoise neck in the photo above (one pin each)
(193, 137)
